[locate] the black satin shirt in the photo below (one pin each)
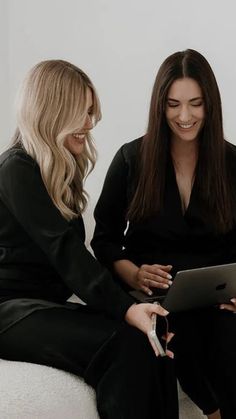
(184, 240)
(43, 259)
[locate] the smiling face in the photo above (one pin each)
(75, 142)
(185, 109)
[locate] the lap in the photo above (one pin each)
(205, 347)
(60, 337)
(199, 330)
(113, 357)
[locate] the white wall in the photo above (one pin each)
(120, 44)
(4, 72)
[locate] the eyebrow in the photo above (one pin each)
(191, 100)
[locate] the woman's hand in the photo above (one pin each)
(139, 315)
(229, 307)
(152, 276)
(144, 277)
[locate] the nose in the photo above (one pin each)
(88, 122)
(184, 114)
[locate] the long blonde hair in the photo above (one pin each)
(51, 105)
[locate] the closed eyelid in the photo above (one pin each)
(177, 105)
(172, 104)
(175, 102)
(197, 102)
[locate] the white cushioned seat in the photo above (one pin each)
(30, 391)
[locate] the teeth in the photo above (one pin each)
(78, 136)
(186, 126)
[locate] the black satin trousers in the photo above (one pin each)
(205, 357)
(115, 358)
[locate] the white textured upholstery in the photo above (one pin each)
(29, 391)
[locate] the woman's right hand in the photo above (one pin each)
(152, 276)
(139, 316)
(144, 277)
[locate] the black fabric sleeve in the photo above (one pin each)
(110, 213)
(24, 194)
(229, 249)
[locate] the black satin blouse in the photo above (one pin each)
(184, 240)
(43, 259)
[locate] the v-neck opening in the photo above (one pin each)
(183, 213)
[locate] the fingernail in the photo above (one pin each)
(222, 307)
(169, 276)
(165, 286)
(165, 311)
(170, 282)
(150, 292)
(233, 300)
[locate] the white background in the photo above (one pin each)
(120, 44)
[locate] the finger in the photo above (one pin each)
(168, 337)
(158, 275)
(228, 307)
(158, 309)
(146, 290)
(233, 300)
(170, 354)
(158, 283)
(166, 268)
(155, 269)
(148, 284)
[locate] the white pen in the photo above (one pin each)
(153, 334)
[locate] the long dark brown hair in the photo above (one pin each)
(211, 174)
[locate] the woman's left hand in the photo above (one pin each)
(140, 316)
(229, 307)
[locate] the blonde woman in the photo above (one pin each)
(44, 261)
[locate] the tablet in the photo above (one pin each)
(197, 288)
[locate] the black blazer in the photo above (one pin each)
(43, 259)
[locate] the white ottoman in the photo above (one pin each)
(30, 391)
